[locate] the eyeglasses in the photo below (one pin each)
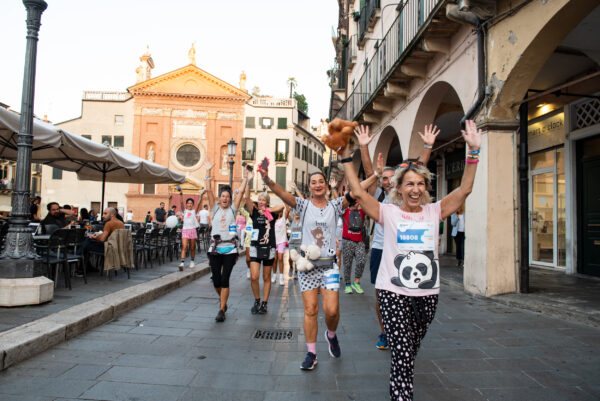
(408, 163)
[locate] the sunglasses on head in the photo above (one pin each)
(408, 163)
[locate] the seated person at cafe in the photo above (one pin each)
(55, 218)
(95, 242)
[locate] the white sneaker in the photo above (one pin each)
(192, 264)
(248, 274)
(273, 277)
(281, 282)
(181, 266)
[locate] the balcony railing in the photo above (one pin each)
(398, 38)
(368, 15)
(281, 157)
(106, 96)
(272, 102)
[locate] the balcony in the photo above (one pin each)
(281, 157)
(106, 96)
(351, 52)
(369, 15)
(272, 102)
(400, 45)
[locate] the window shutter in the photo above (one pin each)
(280, 175)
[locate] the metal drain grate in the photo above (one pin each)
(283, 335)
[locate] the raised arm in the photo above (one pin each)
(367, 202)
(295, 190)
(238, 199)
(277, 189)
(431, 132)
(209, 191)
(452, 201)
(200, 201)
(364, 138)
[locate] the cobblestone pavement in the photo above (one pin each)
(172, 349)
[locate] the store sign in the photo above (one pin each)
(546, 133)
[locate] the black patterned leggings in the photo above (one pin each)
(405, 320)
(353, 250)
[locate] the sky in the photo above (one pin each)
(96, 45)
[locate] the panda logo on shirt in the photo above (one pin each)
(416, 270)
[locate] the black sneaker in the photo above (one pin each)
(263, 308)
(309, 362)
(255, 307)
(220, 316)
(334, 345)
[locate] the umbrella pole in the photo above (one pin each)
(103, 186)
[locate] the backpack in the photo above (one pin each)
(355, 221)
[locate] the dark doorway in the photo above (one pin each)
(589, 206)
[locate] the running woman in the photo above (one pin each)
(188, 231)
(409, 278)
(262, 248)
(281, 241)
(223, 252)
(380, 193)
(319, 221)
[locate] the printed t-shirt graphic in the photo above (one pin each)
(319, 225)
(410, 255)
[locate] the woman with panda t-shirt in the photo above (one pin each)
(408, 278)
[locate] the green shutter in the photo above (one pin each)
(250, 122)
(119, 141)
(280, 175)
(282, 123)
(56, 173)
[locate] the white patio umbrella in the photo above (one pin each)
(90, 160)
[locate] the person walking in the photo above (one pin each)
(353, 247)
(262, 248)
(223, 252)
(457, 220)
(428, 136)
(160, 214)
(281, 242)
(319, 222)
(409, 277)
(189, 234)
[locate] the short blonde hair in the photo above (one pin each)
(266, 196)
(398, 177)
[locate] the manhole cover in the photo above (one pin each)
(281, 335)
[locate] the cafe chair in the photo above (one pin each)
(118, 252)
(139, 248)
(55, 254)
(75, 240)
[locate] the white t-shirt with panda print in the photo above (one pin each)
(319, 225)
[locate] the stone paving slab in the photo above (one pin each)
(172, 349)
(23, 342)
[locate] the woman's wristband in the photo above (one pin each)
(346, 160)
(266, 180)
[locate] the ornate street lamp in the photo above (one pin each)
(18, 257)
(231, 147)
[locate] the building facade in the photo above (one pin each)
(528, 75)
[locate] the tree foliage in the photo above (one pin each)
(302, 103)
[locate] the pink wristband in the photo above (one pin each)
(472, 161)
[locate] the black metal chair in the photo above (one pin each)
(151, 245)
(55, 254)
(164, 243)
(75, 240)
(139, 250)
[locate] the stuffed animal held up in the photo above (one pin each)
(339, 134)
(311, 252)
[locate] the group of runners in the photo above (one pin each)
(404, 263)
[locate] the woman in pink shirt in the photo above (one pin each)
(408, 281)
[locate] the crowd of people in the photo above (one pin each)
(390, 213)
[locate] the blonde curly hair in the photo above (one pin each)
(395, 197)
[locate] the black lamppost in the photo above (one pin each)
(231, 146)
(18, 257)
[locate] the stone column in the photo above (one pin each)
(491, 217)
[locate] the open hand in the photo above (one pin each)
(333, 183)
(431, 132)
(362, 133)
(472, 135)
(292, 185)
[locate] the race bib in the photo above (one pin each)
(416, 236)
(296, 236)
(249, 229)
(255, 234)
(232, 228)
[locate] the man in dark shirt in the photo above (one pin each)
(160, 214)
(172, 211)
(55, 218)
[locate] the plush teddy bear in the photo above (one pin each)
(339, 134)
(311, 252)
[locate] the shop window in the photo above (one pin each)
(266, 122)
(119, 141)
(106, 140)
